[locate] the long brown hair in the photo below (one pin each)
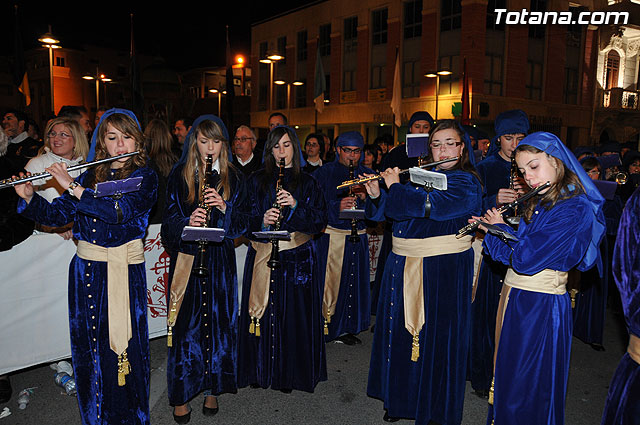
(158, 140)
(128, 126)
(193, 167)
(271, 168)
(464, 163)
(566, 186)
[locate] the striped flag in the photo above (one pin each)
(396, 98)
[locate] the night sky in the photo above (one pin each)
(184, 34)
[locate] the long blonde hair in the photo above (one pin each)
(80, 143)
(194, 165)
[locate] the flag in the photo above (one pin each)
(396, 98)
(20, 78)
(230, 86)
(137, 100)
(464, 118)
(320, 84)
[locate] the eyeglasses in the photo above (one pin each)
(242, 139)
(445, 145)
(349, 150)
(53, 134)
(593, 172)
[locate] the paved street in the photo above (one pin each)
(340, 400)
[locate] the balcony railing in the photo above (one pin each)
(619, 98)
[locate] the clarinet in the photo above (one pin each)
(199, 268)
(512, 178)
(274, 260)
(353, 237)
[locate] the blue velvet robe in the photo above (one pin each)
(494, 172)
(532, 363)
(353, 310)
(623, 401)
(204, 351)
(96, 221)
(290, 352)
(433, 387)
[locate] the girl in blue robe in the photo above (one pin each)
(107, 394)
(421, 373)
(203, 350)
(281, 342)
(561, 229)
(623, 401)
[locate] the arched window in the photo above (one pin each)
(611, 69)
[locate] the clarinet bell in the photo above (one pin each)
(354, 238)
(274, 260)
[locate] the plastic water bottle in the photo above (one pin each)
(24, 397)
(63, 380)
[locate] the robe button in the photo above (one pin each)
(89, 295)
(204, 303)
(90, 306)
(536, 212)
(93, 317)
(207, 349)
(93, 327)
(204, 292)
(88, 264)
(88, 285)
(94, 350)
(354, 253)
(393, 275)
(94, 241)
(392, 289)
(94, 220)
(391, 303)
(87, 274)
(351, 274)
(93, 230)
(399, 231)
(206, 324)
(94, 340)
(205, 315)
(390, 317)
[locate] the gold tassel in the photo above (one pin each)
(415, 348)
(491, 392)
(170, 337)
(257, 327)
(573, 293)
(123, 368)
(326, 328)
(252, 326)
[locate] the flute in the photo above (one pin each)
(471, 227)
(6, 183)
(353, 182)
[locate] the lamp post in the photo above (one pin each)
(436, 75)
(295, 83)
(220, 93)
(51, 43)
(98, 77)
(271, 59)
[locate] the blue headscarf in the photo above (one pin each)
(94, 137)
(187, 140)
(420, 116)
(514, 121)
(550, 144)
(295, 140)
(351, 138)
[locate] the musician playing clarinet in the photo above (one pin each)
(419, 356)
(343, 250)
(107, 309)
(203, 304)
(281, 343)
(501, 186)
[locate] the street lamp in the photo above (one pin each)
(220, 93)
(271, 59)
(98, 77)
(436, 75)
(295, 83)
(50, 42)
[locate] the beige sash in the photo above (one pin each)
(259, 292)
(333, 273)
(415, 250)
(634, 348)
(118, 259)
(181, 274)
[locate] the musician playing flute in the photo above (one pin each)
(344, 263)
(281, 343)
(501, 186)
(419, 356)
(203, 310)
(107, 277)
(561, 229)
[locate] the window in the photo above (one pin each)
(413, 19)
(378, 77)
(571, 86)
(282, 49)
(350, 34)
(449, 84)
(450, 15)
(59, 61)
(611, 69)
(325, 40)
(264, 46)
(493, 75)
(349, 81)
(302, 46)
(537, 31)
(301, 95)
(411, 79)
(534, 80)
(379, 33)
(492, 16)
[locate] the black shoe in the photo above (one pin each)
(209, 411)
(388, 418)
(254, 385)
(481, 393)
(5, 390)
(184, 419)
(286, 390)
(373, 328)
(597, 347)
(348, 339)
